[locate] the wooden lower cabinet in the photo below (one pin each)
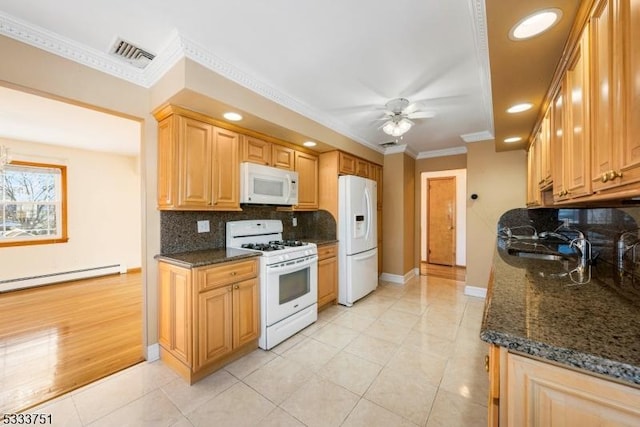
(208, 316)
(327, 275)
(536, 393)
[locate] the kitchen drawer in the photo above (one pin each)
(226, 273)
(327, 251)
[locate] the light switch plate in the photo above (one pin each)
(203, 226)
(294, 221)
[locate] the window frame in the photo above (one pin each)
(64, 237)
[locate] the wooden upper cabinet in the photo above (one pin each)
(545, 177)
(556, 144)
(166, 160)
(198, 165)
(256, 150)
(283, 157)
(226, 170)
(602, 106)
(307, 167)
(362, 168)
(629, 169)
(577, 137)
(533, 170)
(194, 162)
(346, 164)
(375, 173)
(266, 153)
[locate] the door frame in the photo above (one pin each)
(461, 212)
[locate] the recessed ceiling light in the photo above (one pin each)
(234, 117)
(535, 24)
(519, 108)
(309, 144)
(513, 139)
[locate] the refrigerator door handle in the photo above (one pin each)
(367, 198)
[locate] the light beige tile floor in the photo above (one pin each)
(406, 355)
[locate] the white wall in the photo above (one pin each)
(461, 212)
(104, 213)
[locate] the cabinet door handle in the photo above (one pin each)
(236, 286)
(486, 363)
(613, 175)
(604, 177)
(233, 273)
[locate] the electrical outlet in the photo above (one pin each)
(294, 221)
(203, 226)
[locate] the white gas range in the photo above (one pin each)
(288, 278)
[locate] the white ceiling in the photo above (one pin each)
(340, 61)
(28, 117)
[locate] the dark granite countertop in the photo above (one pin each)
(201, 258)
(588, 319)
(320, 242)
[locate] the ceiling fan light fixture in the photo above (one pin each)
(519, 108)
(396, 127)
(534, 24)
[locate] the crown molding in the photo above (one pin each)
(400, 148)
(442, 153)
(178, 47)
(58, 45)
(481, 41)
(209, 60)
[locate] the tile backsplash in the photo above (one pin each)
(601, 226)
(178, 229)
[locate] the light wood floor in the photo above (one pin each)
(56, 338)
(455, 273)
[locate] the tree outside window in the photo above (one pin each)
(32, 204)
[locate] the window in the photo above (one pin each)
(32, 204)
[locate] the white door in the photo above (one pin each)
(357, 214)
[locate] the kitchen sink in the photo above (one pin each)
(540, 256)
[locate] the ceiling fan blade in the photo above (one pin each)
(421, 115)
(413, 107)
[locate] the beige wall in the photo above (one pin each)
(392, 214)
(499, 180)
(398, 227)
(409, 204)
(103, 213)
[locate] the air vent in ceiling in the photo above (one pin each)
(389, 144)
(131, 53)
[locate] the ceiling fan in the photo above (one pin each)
(399, 114)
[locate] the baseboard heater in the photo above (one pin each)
(49, 279)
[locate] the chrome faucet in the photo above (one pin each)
(584, 247)
(622, 246)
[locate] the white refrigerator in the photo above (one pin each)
(357, 235)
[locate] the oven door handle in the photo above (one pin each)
(292, 265)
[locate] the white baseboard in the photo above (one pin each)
(153, 352)
(396, 278)
(474, 291)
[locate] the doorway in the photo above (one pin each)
(443, 219)
(89, 328)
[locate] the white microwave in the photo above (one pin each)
(266, 185)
